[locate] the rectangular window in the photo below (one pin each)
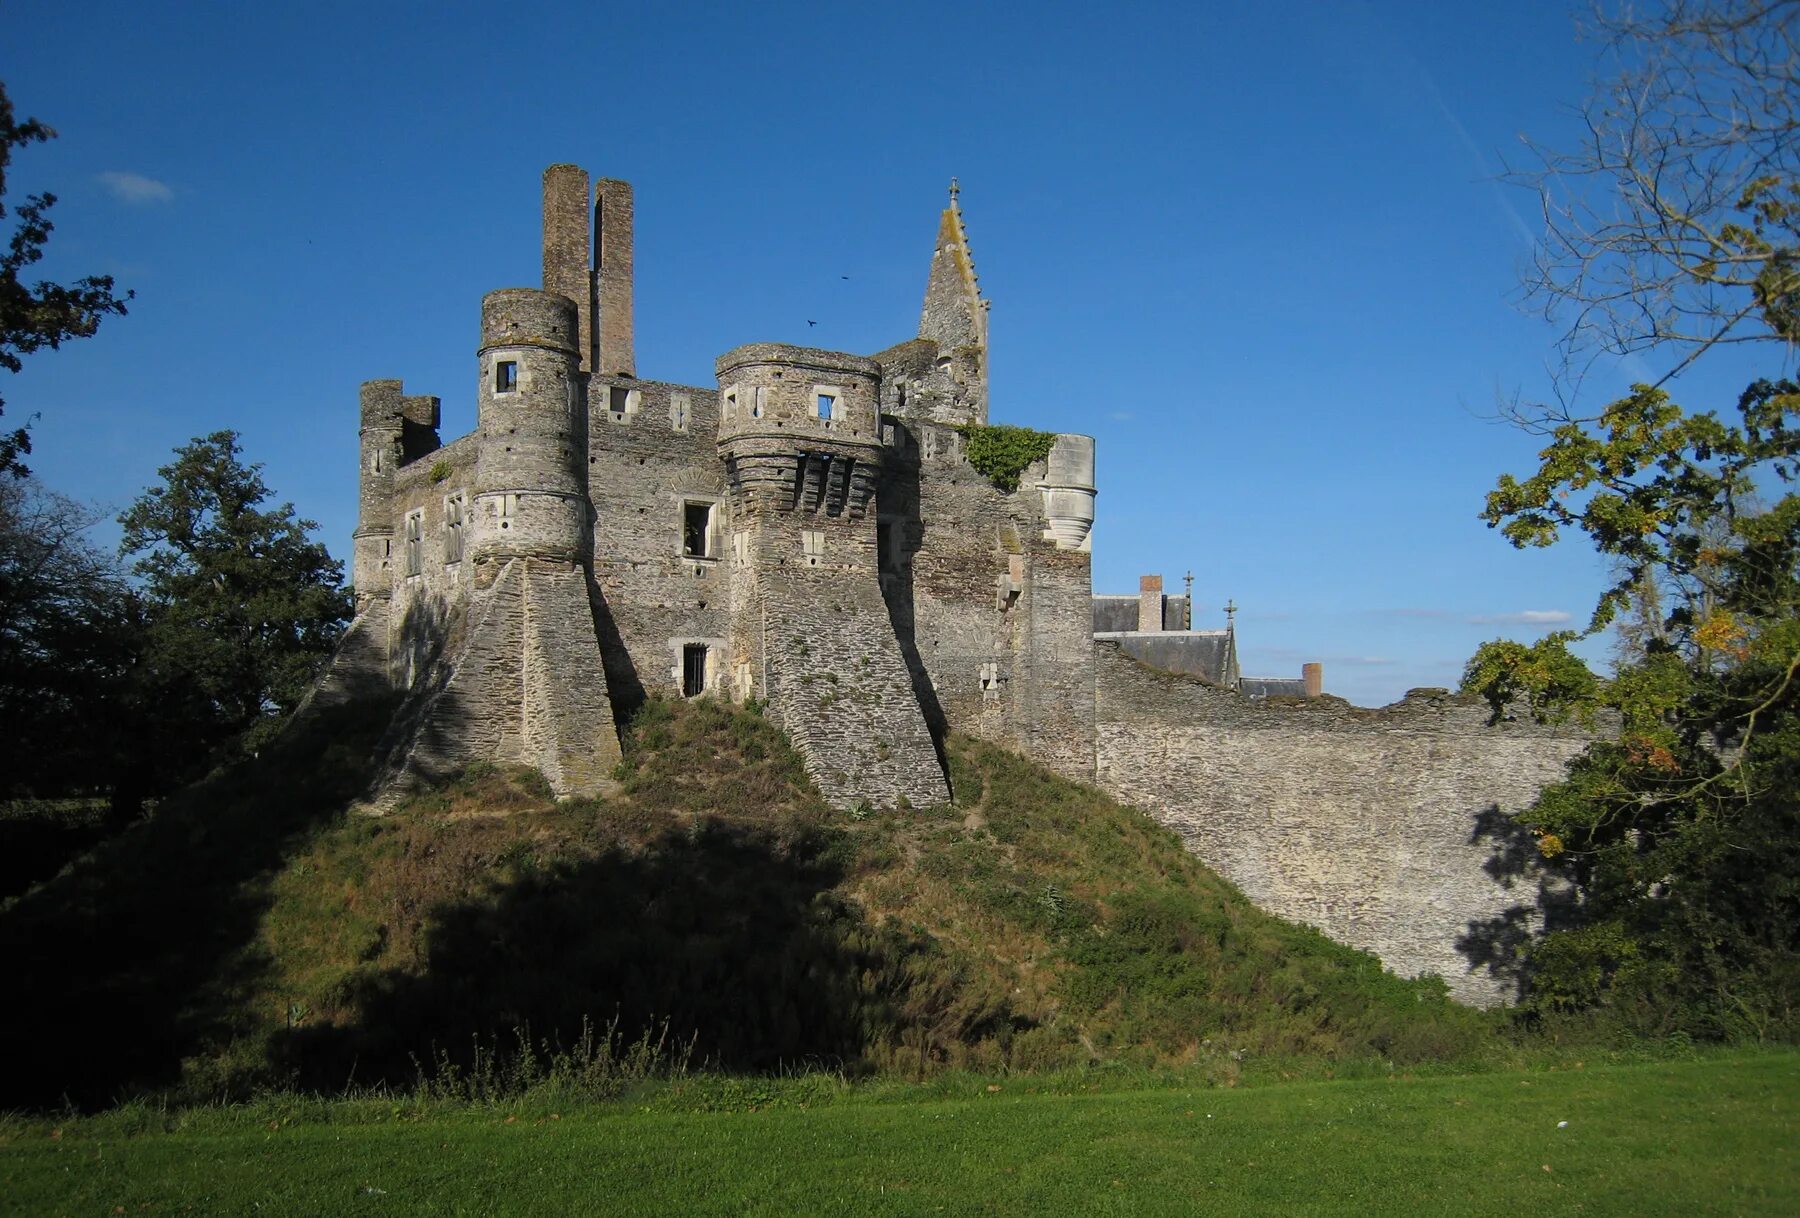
(696, 530)
(826, 404)
(812, 544)
(415, 540)
(693, 669)
(506, 376)
(618, 398)
(455, 509)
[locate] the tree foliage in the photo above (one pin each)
(1673, 229)
(44, 314)
(244, 608)
(68, 631)
(1682, 831)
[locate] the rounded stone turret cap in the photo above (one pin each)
(529, 317)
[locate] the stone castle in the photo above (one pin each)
(808, 531)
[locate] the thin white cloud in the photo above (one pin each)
(1524, 617)
(1120, 416)
(135, 188)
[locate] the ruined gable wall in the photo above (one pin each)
(640, 470)
(1373, 826)
(423, 603)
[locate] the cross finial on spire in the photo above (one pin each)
(1230, 614)
(954, 191)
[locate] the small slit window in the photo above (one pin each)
(693, 669)
(506, 376)
(415, 536)
(455, 509)
(678, 411)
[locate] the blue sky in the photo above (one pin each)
(1256, 250)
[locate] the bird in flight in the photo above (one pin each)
(811, 322)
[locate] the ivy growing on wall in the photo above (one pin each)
(1001, 452)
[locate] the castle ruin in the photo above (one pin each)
(807, 531)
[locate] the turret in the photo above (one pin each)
(531, 469)
(1069, 495)
(799, 427)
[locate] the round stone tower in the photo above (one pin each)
(800, 428)
(531, 468)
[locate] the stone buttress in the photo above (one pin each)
(514, 672)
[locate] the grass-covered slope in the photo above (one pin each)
(250, 934)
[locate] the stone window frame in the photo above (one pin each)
(715, 659)
(836, 394)
(812, 545)
(500, 360)
(414, 532)
(634, 402)
(456, 524)
(714, 526)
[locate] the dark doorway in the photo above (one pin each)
(693, 669)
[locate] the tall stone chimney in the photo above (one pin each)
(614, 351)
(1314, 677)
(1150, 603)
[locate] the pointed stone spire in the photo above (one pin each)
(955, 315)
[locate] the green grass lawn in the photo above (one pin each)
(1710, 1136)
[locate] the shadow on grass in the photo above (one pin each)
(137, 957)
(726, 935)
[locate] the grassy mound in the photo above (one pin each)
(713, 912)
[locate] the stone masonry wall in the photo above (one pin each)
(641, 469)
(1381, 828)
(999, 616)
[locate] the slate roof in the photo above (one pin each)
(1273, 687)
(1119, 613)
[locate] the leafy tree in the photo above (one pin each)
(243, 607)
(1682, 832)
(68, 638)
(43, 314)
(1674, 229)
